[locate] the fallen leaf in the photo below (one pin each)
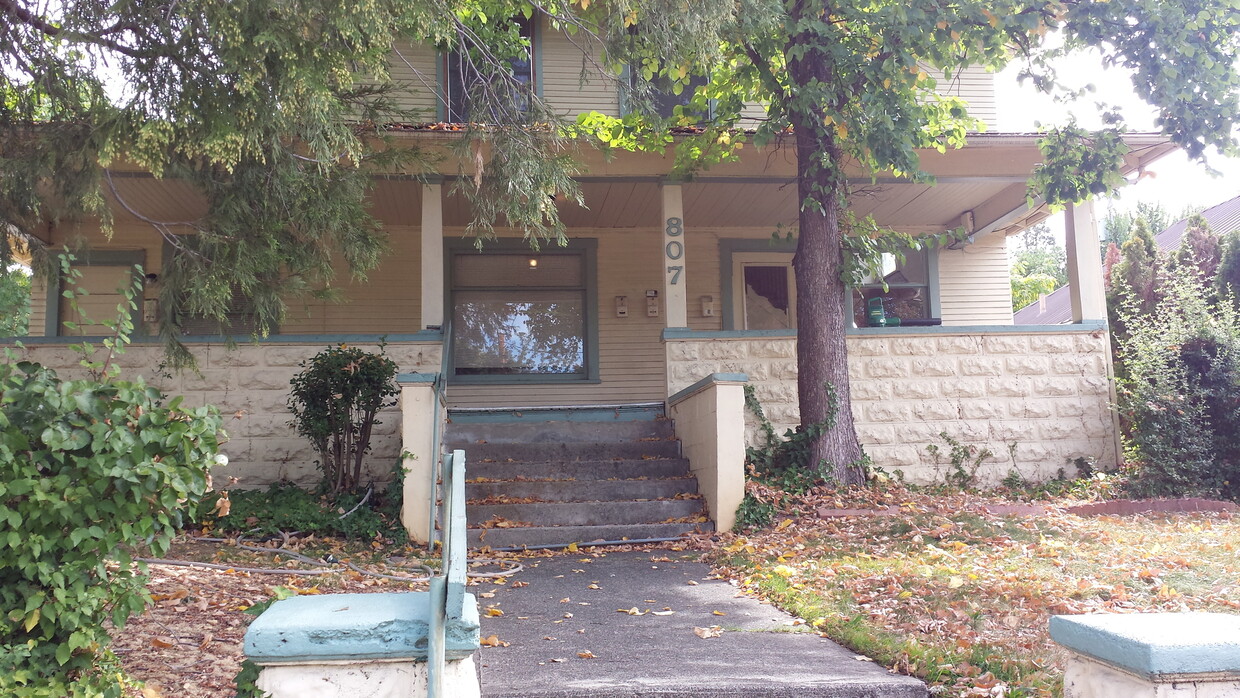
(572, 547)
(163, 641)
(691, 583)
(718, 613)
(594, 586)
(631, 611)
(492, 641)
(586, 655)
(661, 613)
(707, 633)
(494, 612)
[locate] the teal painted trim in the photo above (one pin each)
(97, 258)
(426, 336)
(622, 95)
(712, 379)
(1086, 326)
(672, 333)
(585, 414)
(441, 87)
(376, 626)
(586, 247)
(1155, 644)
(408, 378)
(731, 246)
(675, 333)
(536, 54)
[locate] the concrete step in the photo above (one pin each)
(583, 490)
(472, 433)
(574, 451)
(586, 513)
(652, 469)
(563, 535)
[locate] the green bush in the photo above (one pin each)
(1180, 399)
(334, 402)
(284, 507)
(89, 469)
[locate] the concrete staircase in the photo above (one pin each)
(554, 477)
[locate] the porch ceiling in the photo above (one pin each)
(987, 178)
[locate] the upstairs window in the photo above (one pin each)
(463, 85)
(664, 98)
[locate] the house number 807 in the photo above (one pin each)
(674, 249)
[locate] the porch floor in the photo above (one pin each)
(558, 617)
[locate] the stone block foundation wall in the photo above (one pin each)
(1037, 400)
(250, 386)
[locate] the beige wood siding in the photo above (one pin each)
(38, 306)
(572, 79)
(974, 284)
(414, 68)
(631, 354)
(389, 301)
(977, 87)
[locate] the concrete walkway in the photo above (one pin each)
(569, 609)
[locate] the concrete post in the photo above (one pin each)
(710, 421)
(675, 272)
(420, 416)
(1084, 263)
(432, 255)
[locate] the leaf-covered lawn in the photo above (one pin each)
(948, 591)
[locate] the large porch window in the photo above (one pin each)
(518, 314)
(760, 287)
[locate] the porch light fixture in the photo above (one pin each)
(533, 262)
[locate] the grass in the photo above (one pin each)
(948, 592)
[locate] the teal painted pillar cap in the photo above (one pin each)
(1154, 644)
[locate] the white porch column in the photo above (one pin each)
(674, 273)
(432, 254)
(1084, 263)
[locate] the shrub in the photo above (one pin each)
(1181, 396)
(88, 469)
(334, 402)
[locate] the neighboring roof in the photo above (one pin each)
(1056, 307)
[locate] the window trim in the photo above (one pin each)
(728, 247)
(95, 258)
(536, 74)
(587, 249)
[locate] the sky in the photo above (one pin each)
(1177, 183)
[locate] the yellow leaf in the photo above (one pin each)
(572, 547)
(955, 582)
(784, 524)
(32, 619)
(494, 612)
(492, 641)
(718, 613)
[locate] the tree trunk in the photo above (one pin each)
(823, 311)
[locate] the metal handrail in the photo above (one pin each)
(441, 401)
(447, 589)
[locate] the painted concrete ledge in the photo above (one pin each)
(712, 379)
(351, 627)
(1088, 326)
(1155, 645)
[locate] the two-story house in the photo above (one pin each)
(665, 283)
